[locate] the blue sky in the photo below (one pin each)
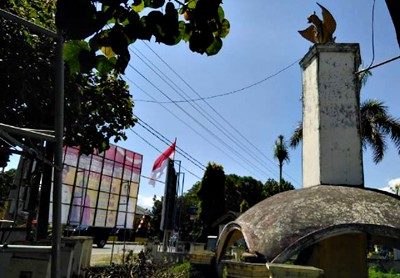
(263, 40)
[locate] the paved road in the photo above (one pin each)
(118, 249)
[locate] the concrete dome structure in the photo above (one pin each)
(279, 227)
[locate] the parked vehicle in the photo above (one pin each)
(99, 193)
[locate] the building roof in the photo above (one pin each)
(279, 226)
(142, 211)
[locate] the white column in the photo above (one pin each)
(332, 152)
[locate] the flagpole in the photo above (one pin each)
(167, 157)
(173, 156)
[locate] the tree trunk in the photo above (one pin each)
(280, 173)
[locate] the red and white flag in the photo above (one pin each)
(161, 163)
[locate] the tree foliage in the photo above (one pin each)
(244, 192)
(98, 34)
(272, 187)
(212, 196)
(110, 26)
(6, 184)
(233, 195)
(190, 225)
(241, 193)
(281, 153)
(377, 125)
(155, 219)
(251, 190)
(98, 105)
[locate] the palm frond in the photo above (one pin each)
(378, 145)
(297, 136)
(363, 77)
(280, 150)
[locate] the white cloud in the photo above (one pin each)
(391, 185)
(394, 185)
(394, 182)
(146, 201)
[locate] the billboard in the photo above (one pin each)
(100, 189)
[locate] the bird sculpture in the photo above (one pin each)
(320, 31)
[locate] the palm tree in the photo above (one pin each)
(281, 154)
(376, 127)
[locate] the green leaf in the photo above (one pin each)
(138, 6)
(225, 28)
(215, 47)
(105, 65)
(185, 31)
(192, 4)
(72, 49)
(221, 13)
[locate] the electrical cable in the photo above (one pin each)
(200, 166)
(372, 33)
(154, 147)
(152, 179)
(179, 119)
(216, 112)
(179, 150)
(195, 120)
(226, 93)
(211, 121)
(199, 123)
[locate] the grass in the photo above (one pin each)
(376, 272)
(98, 260)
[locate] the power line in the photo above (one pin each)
(195, 120)
(154, 147)
(206, 116)
(379, 64)
(186, 124)
(146, 177)
(178, 150)
(221, 94)
(179, 119)
(372, 33)
(158, 134)
(219, 115)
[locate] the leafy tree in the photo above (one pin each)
(212, 197)
(233, 196)
(113, 25)
(97, 107)
(377, 126)
(251, 190)
(244, 205)
(281, 153)
(272, 187)
(6, 182)
(190, 224)
(155, 219)
(28, 85)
